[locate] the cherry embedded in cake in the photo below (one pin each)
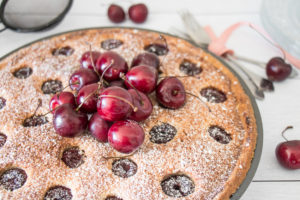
(73, 157)
(3, 139)
(178, 186)
(189, 68)
(13, 179)
(139, 143)
(158, 49)
(58, 193)
(111, 44)
(2, 102)
(23, 72)
(219, 134)
(124, 168)
(65, 51)
(162, 133)
(52, 86)
(213, 95)
(35, 120)
(113, 198)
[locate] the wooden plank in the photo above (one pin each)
(272, 191)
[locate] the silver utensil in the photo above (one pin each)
(197, 33)
(192, 27)
(256, 80)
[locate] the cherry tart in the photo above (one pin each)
(121, 137)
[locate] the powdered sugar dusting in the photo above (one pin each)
(192, 152)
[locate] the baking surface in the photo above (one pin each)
(279, 109)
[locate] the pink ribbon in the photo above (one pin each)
(218, 44)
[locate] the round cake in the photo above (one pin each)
(203, 150)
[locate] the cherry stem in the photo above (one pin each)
(122, 76)
(199, 100)
(119, 157)
(88, 96)
(102, 75)
(287, 128)
(122, 99)
(92, 60)
(271, 42)
(99, 87)
(38, 106)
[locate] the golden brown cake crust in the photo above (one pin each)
(216, 169)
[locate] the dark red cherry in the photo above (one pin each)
(82, 77)
(87, 61)
(126, 136)
(62, 98)
(288, 153)
(119, 83)
(170, 93)
(98, 127)
(146, 58)
(277, 69)
(116, 13)
(88, 96)
(143, 103)
(114, 104)
(143, 78)
(68, 122)
(138, 13)
(116, 65)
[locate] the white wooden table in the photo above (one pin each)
(278, 110)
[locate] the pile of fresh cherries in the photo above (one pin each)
(111, 98)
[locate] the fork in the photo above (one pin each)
(202, 39)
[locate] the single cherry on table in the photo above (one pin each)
(138, 13)
(288, 152)
(277, 69)
(116, 13)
